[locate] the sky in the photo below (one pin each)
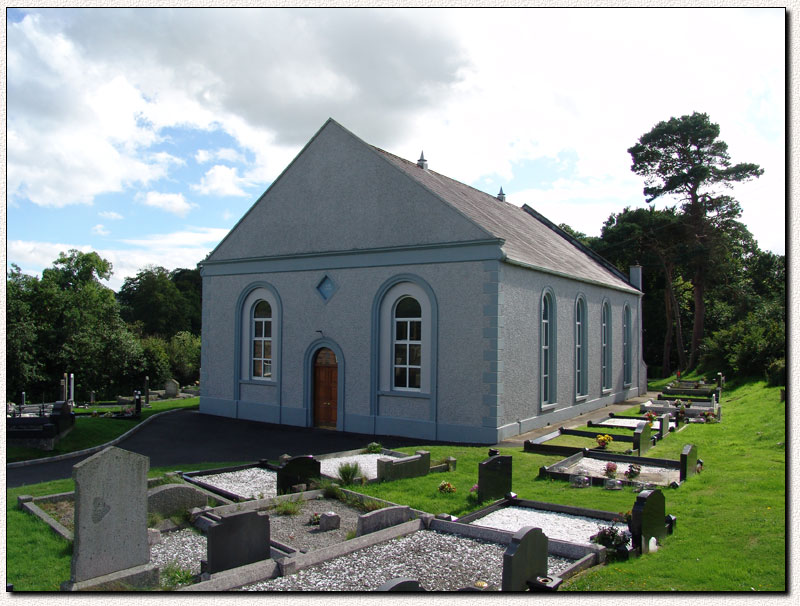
(145, 134)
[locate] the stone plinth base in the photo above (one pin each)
(139, 577)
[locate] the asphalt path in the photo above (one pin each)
(188, 437)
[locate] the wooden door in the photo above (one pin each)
(326, 383)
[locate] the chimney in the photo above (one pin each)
(501, 196)
(422, 162)
(636, 276)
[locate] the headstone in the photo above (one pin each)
(382, 518)
(641, 438)
(401, 584)
(494, 477)
(524, 559)
(171, 388)
(648, 519)
(147, 391)
(329, 521)
(171, 499)
(663, 428)
(407, 467)
(238, 539)
(688, 461)
(110, 514)
(297, 470)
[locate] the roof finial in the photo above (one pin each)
(422, 162)
(501, 196)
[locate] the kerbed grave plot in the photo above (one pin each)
(438, 561)
(594, 465)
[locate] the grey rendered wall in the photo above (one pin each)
(339, 195)
(461, 413)
(521, 293)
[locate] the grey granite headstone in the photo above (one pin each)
(239, 538)
(663, 428)
(494, 477)
(382, 518)
(524, 559)
(408, 467)
(110, 514)
(641, 438)
(171, 499)
(297, 470)
(688, 461)
(171, 388)
(329, 521)
(648, 518)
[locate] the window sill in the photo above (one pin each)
(405, 394)
(580, 399)
(551, 406)
(605, 392)
(257, 382)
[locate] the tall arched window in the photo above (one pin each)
(605, 353)
(262, 340)
(626, 346)
(581, 380)
(407, 365)
(548, 368)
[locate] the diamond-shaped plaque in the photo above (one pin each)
(326, 288)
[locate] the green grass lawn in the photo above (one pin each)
(93, 431)
(731, 518)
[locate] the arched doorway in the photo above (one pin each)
(326, 388)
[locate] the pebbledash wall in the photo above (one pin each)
(481, 345)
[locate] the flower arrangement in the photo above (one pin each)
(474, 488)
(603, 440)
(611, 470)
(314, 518)
(611, 537)
(633, 471)
(650, 416)
(709, 417)
(446, 488)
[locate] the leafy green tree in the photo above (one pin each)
(156, 360)
(23, 366)
(190, 284)
(683, 157)
(70, 322)
(152, 300)
(184, 357)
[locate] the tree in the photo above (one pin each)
(190, 284)
(184, 357)
(683, 157)
(152, 300)
(652, 238)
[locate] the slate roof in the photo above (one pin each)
(528, 240)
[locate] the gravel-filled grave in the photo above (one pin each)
(596, 468)
(439, 561)
(251, 483)
(367, 462)
(562, 526)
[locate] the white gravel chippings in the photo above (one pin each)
(251, 483)
(439, 561)
(184, 548)
(565, 527)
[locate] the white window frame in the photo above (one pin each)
(259, 328)
(605, 347)
(581, 330)
(407, 343)
(627, 375)
(547, 348)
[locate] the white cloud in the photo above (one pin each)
(100, 230)
(226, 154)
(172, 203)
(111, 215)
(185, 248)
(202, 156)
(221, 180)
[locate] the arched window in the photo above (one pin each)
(626, 346)
(262, 340)
(581, 382)
(548, 367)
(605, 341)
(407, 364)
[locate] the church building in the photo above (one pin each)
(366, 293)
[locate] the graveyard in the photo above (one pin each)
(722, 528)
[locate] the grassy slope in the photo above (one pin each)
(731, 533)
(89, 431)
